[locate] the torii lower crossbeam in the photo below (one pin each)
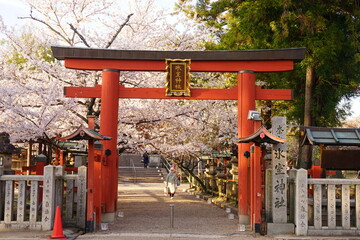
(196, 93)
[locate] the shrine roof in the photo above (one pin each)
(293, 54)
(331, 136)
(83, 133)
(73, 146)
(262, 135)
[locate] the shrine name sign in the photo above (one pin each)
(178, 77)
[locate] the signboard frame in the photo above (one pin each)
(178, 77)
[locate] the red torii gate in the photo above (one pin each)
(244, 63)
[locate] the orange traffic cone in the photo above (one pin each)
(58, 229)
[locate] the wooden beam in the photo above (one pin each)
(273, 94)
(196, 66)
(196, 93)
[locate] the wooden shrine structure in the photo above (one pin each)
(110, 61)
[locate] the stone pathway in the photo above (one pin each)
(146, 214)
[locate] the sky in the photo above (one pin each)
(10, 10)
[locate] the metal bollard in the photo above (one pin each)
(94, 218)
(172, 215)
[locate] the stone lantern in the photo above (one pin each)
(6, 150)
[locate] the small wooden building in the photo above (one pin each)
(339, 147)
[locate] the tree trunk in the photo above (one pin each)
(306, 150)
(310, 82)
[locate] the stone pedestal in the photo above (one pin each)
(279, 228)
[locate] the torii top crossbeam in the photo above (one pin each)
(138, 60)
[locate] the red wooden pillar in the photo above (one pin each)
(257, 186)
(252, 183)
(246, 102)
(257, 182)
(108, 127)
(98, 191)
(61, 158)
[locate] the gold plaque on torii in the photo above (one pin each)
(178, 77)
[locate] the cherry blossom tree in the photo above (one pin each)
(31, 80)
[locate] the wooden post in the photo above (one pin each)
(28, 157)
(2, 192)
(246, 102)
(48, 198)
(257, 182)
(252, 186)
(98, 190)
(292, 202)
(61, 158)
(108, 127)
(268, 195)
(91, 186)
(258, 195)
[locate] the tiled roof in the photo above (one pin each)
(262, 135)
(83, 133)
(331, 136)
(294, 54)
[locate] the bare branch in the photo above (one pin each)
(119, 30)
(79, 34)
(46, 24)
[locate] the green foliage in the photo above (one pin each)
(328, 29)
(41, 51)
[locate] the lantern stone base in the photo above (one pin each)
(280, 228)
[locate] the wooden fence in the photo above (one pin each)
(30, 200)
(324, 206)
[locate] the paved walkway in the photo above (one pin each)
(144, 213)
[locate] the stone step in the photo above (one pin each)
(140, 175)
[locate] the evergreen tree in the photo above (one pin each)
(328, 29)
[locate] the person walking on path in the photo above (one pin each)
(171, 183)
(146, 159)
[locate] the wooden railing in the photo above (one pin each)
(333, 207)
(30, 200)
